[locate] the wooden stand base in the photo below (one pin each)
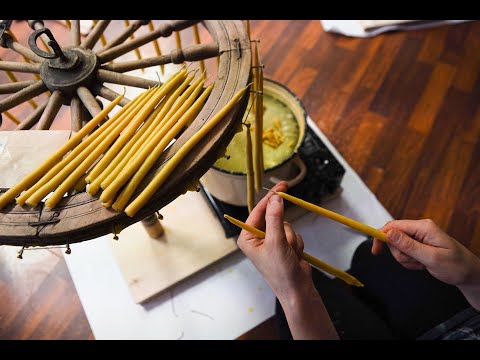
(193, 239)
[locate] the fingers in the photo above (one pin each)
(402, 258)
(257, 216)
(294, 239)
(300, 245)
(377, 246)
(274, 230)
(417, 266)
(418, 229)
(408, 246)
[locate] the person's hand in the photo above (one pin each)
(421, 244)
(278, 257)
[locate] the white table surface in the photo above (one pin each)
(224, 300)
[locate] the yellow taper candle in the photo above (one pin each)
(159, 122)
(100, 132)
(258, 129)
(196, 36)
(89, 154)
(156, 45)
(147, 148)
(249, 168)
(166, 170)
(115, 149)
(32, 177)
(312, 260)
(136, 50)
(368, 230)
(134, 182)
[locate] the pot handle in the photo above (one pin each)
(297, 179)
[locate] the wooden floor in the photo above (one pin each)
(402, 108)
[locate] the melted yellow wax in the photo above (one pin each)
(280, 136)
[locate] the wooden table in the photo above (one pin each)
(402, 108)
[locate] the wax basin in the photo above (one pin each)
(231, 187)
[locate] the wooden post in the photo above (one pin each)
(153, 227)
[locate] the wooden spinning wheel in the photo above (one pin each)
(75, 75)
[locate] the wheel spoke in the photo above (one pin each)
(190, 53)
(54, 104)
(95, 34)
(121, 79)
(23, 95)
(109, 94)
(88, 100)
(9, 42)
(19, 66)
(33, 118)
(76, 113)
(103, 41)
(163, 30)
(75, 33)
(134, 26)
(16, 86)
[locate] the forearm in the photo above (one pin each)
(307, 316)
(472, 294)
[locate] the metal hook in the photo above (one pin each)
(57, 51)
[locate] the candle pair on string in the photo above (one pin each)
(368, 230)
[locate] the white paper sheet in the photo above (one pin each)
(22, 151)
(225, 300)
(356, 28)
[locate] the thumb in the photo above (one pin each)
(408, 246)
(274, 219)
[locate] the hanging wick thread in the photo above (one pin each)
(159, 216)
(244, 122)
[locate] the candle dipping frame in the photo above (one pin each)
(76, 75)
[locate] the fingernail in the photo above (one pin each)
(276, 199)
(393, 236)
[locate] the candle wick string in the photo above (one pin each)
(244, 122)
(263, 187)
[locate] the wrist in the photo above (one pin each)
(306, 314)
(472, 275)
(298, 297)
(470, 287)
